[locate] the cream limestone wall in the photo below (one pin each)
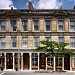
(54, 24)
(41, 38)
(30, 25)
(8, 42)
(41, 24)
(20, 42)
(19, 24)
(67, 40)
(54, 38)
(66, 24)
(8, 25)
(30, 42)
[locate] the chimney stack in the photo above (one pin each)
(30, 5)
(74, 7)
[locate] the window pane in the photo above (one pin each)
(3, 25)
(34, 59)
(50, 60)
(24, 41)
(48, 38)
(60, 40)
(59, 61)
(60, 24)
(36, 25)
(13, 41)
(13, 24)
(72, 41)
(24, 24)
(73, 60)
(3, 42)
(47, 23)
(72, 25)
(36, 41)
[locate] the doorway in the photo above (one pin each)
(9, 61)
(67, 62)
(42, 62)
(25, 61)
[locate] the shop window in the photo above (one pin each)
(34, 59)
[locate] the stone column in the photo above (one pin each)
(46, 63)
(63, 63)
(30, 60)
(70, 63)
(5, 60)
(21, 61)
(38, 61)
(13, 62)
(54, 63)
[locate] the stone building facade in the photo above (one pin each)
(21, 31)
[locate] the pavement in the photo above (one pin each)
(37, 73)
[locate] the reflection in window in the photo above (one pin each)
(72, 41)
(13, 24)
(59, 61)
(36, 25)
(72, 25)
(36, 41)
(2, 60)
(47, 23)
(24, 24)
(24, 41)
(13, 41)
(73, 60)
(60, 40)
(48, 38)
(50, 60)
(2, 41)
(16, 59)
(3, 24)
(34, 59)
(60, 25)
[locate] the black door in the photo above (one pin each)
(67, 62)
(42, 61)
(9, 61)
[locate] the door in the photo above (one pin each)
(42, 61)
(67, 62)
(25, 61)
(9, 61)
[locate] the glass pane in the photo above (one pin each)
(47, 22)
(13, 24)
(61, 39)
(24, 24)
(34, 59)
(48, 38)
(3, 25)
(35, 24)
(60, 23)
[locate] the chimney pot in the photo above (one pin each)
(11, 8)
(74, 7)
(30, 5)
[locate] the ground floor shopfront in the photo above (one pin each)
(36, 61)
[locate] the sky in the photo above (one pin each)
(37, 4)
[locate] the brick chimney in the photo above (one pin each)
(30, 5)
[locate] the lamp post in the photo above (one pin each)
(18, 51)
(18, 65)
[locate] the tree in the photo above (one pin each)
(61, 48)
(50, 46)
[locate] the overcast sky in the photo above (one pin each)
(38, 4)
